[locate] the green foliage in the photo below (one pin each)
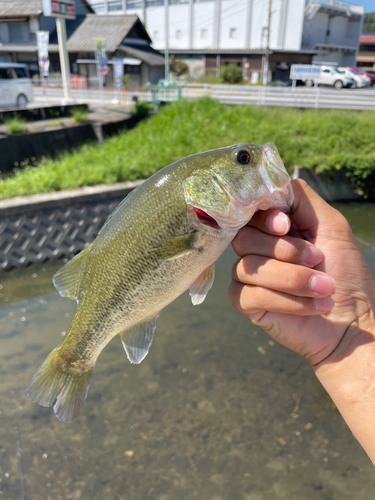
(325, 140)
(231, 74)
(16, 125)
(142, 108)
(178, 68)
(369, 23)
(80, 114)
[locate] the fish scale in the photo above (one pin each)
(163, 239)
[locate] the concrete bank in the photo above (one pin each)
(45, 227)
(49, 138)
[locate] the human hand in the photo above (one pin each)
(312, 290)
(284, 284)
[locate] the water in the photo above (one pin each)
(216, 411)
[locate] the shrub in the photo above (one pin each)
(231, 74)
(80, 115)
(16, 125)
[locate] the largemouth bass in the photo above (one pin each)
(161, 240)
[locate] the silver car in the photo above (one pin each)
(332, 76)
(15, 85)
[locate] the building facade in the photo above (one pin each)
(366, 54)
(125, 35)
(330, 29)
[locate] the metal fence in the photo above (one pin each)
(302, 97)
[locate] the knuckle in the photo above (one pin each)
(289, 252)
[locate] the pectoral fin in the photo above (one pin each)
(199, 289)
(174, 248)
(138, 340)
(68, 278)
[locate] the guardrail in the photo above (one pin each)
(302, 97)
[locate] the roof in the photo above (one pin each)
(18, 47)
(149, 56)
(22, 8)
(241, 51)
(113, 28)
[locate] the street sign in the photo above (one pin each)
(304, 72)
(59, 8)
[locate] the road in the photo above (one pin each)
(302, 97)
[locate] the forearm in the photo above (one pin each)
(350, 382)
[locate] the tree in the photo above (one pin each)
(369, 23)
(178, 68)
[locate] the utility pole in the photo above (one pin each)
(64, 58)
(267, 54)
(166, 54)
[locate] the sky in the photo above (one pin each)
(369, 4)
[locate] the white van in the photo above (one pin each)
(15, 85)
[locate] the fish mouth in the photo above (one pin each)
(206, 219)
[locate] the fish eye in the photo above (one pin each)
(244, 157)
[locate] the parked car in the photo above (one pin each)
(364, 73)
(360, 80)
(330, 75)
(15, 85)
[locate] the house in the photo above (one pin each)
(125, 36)
(208, 33)
(19, 21)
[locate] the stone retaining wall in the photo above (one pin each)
(38, 228)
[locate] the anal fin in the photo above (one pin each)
(199, 289)
(138, 340)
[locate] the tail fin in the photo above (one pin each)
(63, 387)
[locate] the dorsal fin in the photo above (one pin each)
(69, 277)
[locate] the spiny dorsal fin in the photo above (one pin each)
(69, 277)
(199, 289)
(138, 340)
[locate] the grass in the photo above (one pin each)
(325, 140)
(80, 115)
(16, 125)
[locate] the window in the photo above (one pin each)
(178, 34)
(114, 5)
(154, 3)
(204, 34)
(134, 4)
(174, 2)
(233, 33)
(6, 74)
(19, 32)
(21, 72)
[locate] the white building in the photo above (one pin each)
(328, 29)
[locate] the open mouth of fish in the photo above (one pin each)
(206, 219)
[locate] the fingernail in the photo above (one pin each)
(322, 284)
(278, 223)
(324, 305)
(313, 256)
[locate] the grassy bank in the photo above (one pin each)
(326, 140)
